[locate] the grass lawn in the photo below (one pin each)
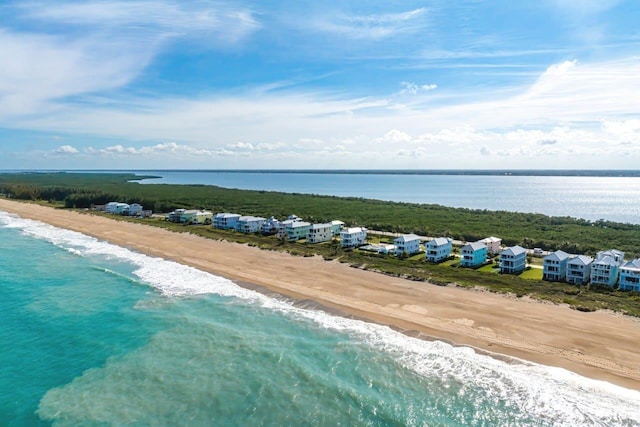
(450, 262)
(417, 257)
(489, 268)
(532, 274)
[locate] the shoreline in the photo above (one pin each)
(598, 345)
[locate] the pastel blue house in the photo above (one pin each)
(555, 266)
(630, 276)
(407, 244)
(606, 267)
(513, 260)
(225, 220)
(473, 254)
(336, 227)
(579, 269)
(438, 249)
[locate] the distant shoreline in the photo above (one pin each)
(467, 172)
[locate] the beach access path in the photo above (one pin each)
(599, 345)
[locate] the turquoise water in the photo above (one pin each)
(94, 334)
(611, 198)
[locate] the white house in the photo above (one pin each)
(494, 244)
(353, 237)
(116, 208)
(630, 276)
(604, 270)
(438, 249)
(320, 233)
(579, 269)
(249, 224)
(225, 220)
(513, 260)
(473, 254)
(407, 244)
(555, 266)
(110, 207)
(135, 209)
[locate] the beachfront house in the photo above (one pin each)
(438, 249)
(336, 227)
(297, 230)
(249, 224)
(473, 254)
(225, 220)
(282, 227)
(319, 233)
(117, 208)
(174, 216)
(554, 266)
(194, 216)
(605, 268)
(579, 269)
(494, 244)
(190, 216)
(513, 260)
(135, 209)
(270, 226)
(110, 207)
(630, 276)
(353, 237)
(407, 244)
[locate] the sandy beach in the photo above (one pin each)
(599, 345)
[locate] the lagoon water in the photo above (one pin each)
(613, 198)
(94, 334)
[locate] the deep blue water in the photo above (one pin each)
(93, 334)
(610, 198)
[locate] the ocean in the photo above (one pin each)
(94, 334)
(612, 198)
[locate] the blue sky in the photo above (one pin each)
(441, 84)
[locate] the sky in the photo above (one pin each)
(467, 84)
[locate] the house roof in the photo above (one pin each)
(514, 251)
(227, 215)
(251, 218)
(614, 253)
(298, 224)
(337, 222)
(606, 260)
(634, 264)
(491, 239)
(557, 256)
(581, 259)
(439, 241)
(354, 230)
(407, 238)
(474, 246)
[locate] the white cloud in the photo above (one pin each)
(66, 149)
(371, 27)
(216, 23)
(409, 88)
(114, 44)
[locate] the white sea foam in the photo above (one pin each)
(552, 395)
